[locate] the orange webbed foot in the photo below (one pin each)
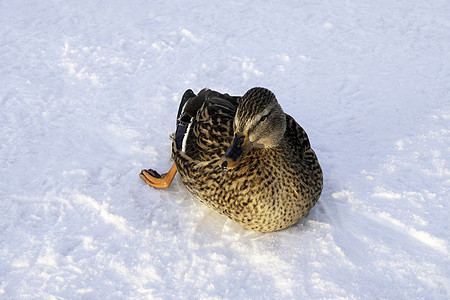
(154, 179)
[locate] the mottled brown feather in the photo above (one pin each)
(271, 188)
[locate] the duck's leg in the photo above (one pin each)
(153, 179)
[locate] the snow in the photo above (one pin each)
(88, 98)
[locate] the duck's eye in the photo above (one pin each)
(263, 118)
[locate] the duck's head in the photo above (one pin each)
(259, 123)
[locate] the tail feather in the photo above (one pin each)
(183, 119)
(191, 103)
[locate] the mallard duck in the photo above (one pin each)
(244, 158)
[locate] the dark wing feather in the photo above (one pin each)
(296, 136)
(209, 115)
(309, 169)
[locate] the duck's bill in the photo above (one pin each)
(238, 149)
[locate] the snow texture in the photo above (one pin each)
(88, 96)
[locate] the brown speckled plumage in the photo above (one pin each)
(271, 188)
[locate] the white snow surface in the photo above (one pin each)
(89, 94)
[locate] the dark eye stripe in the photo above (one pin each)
(263, 118)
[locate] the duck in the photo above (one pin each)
(243, 157)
